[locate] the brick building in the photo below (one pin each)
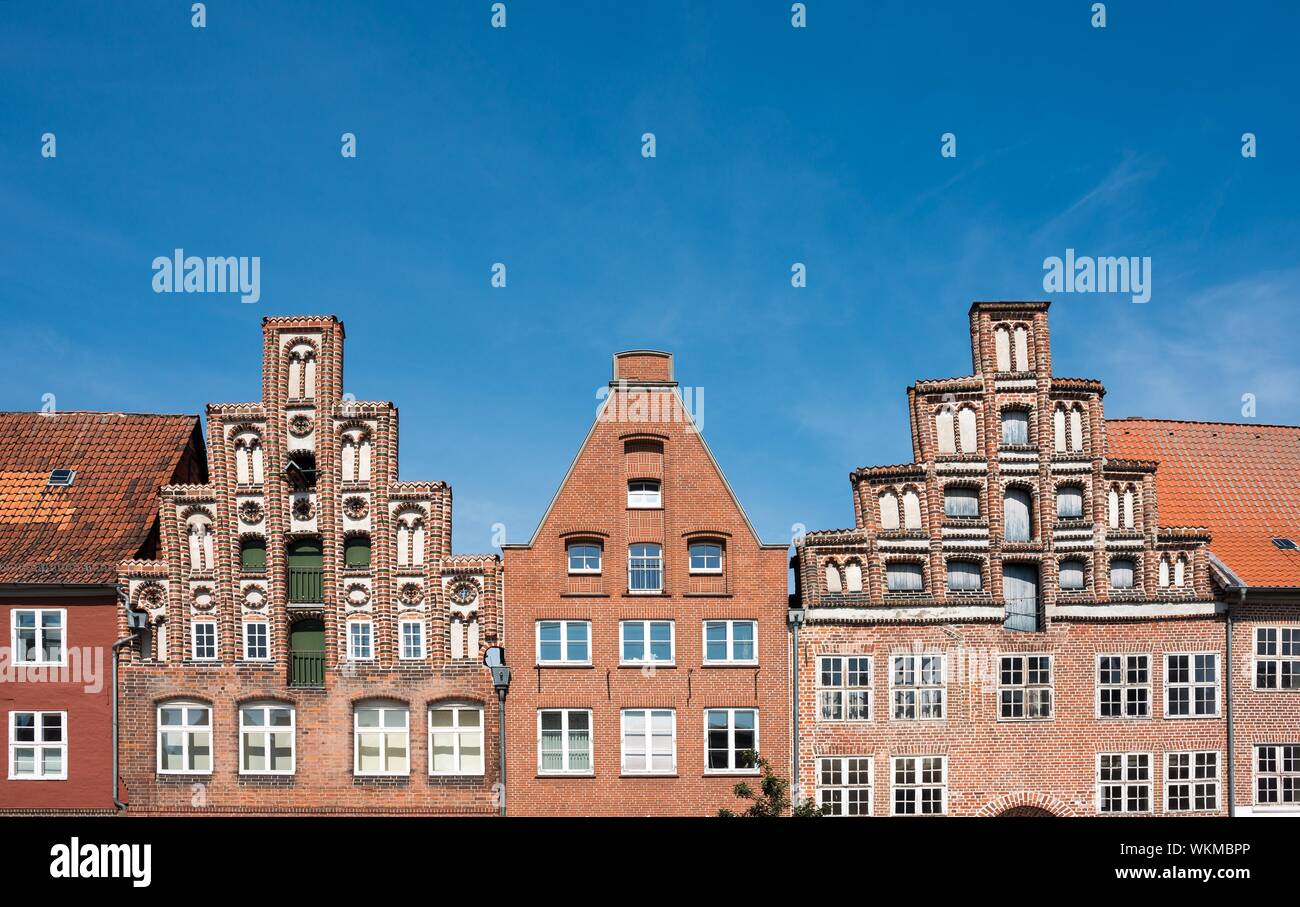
(1243, 482)
(645, 622)
(78, 493)
(1011, 626)
(313, 644)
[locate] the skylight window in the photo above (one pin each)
(1286, 545)
(62, 478)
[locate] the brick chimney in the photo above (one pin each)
(643, 367)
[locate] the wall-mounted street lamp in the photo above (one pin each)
(495, 660)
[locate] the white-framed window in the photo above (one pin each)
(965, 576)
(904, 576)
(203, 638)
(361, 640)
(1277, 658)
(645, 568)
(1024, 687)
(564, 642)
(266, 739)
(730, 642)
(1123, 782)
(1192, 685)
(564, 742)
(37, 636)
(1072, 575)
(1123, 686)
(649, 742)
(920, 785)
(706, 557)
(1122, 573)
(730, 741)
(1191, 782)
(38, 746)
(844, 785)
(411, 636)
(644, 493)
(647, 642)
(1277, 774)
(584, 557)
(961, 501)
(917, 686)
(455, 739)
(381, 739)
(257, 642)
(184, 738)
(844, 688)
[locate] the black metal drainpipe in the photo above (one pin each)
(112, 654)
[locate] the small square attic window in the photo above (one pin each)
(1286, 545)
(62, 478)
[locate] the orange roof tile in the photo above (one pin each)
(80, 533)
(1240, 481)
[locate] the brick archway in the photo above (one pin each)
(1027, 803)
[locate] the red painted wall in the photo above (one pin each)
(83, 692)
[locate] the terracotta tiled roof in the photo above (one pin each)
(1240, 481)
(80, 533)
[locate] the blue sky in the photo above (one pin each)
(774, 145)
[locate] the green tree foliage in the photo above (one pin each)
(772, 798)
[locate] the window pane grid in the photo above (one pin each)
(844, 785)
(1025, 687)
(1124, 782)
(564, 741)
(1191, 685)
(917, 687)
(1191, 782)
(844, 688)
(38, 746)
(919, 785)
(1124, 686)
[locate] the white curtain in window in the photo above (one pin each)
(1121, 574)
(1015, 427)
(1071, 574)
(1069, 503)
(961, 501)
(904, 577)
(964, 576)
(1017, 511)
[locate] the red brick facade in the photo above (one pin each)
(940, 638)
(642, 435)
(309, 476)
